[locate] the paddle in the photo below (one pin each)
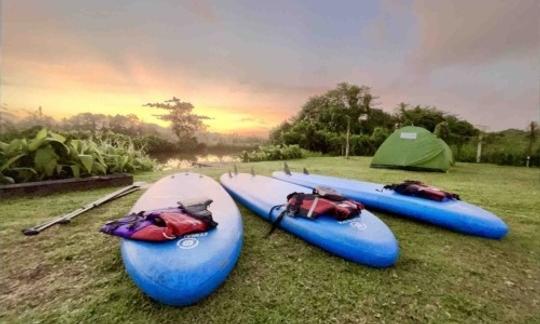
(66, 218)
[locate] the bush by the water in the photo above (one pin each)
(274, 152)
(49, 155)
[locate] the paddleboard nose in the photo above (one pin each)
(499, 229)
(387, 254)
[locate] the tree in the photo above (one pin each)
(37, 118)
(532, 130)
(377, 118)
(179, 113)
(331, 110)
(330, 117)
(128, 124)
(460, 131)
(427, 117)
(442, 131)
(6, 118)
(87, 122)
(276, 135)
(378, 136)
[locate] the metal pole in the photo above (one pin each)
(479, 149)
(347, 137)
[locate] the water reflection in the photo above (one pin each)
(190, 161)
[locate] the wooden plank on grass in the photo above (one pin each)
(63, 185)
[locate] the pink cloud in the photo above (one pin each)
(475, 32)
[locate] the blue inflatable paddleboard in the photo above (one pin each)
(452, 214)
(183, 271)
(364, 239)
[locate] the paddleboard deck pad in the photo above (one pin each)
(364, 239)
(185, 270)
(452, 214)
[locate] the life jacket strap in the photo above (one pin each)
(199, 210)
(278, 219)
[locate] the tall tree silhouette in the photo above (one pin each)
(184, 122)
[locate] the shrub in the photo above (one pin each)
(153, 144)
(273, 152)
(378, 136)
(361, 145)
(49, 155)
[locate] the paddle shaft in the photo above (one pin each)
(69, 216)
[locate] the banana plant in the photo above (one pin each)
(50, 156)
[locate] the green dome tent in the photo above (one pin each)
(413, 148)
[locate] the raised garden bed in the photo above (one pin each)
(54, 186)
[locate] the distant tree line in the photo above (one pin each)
(182, 136)
(340, 121)
(321, 126)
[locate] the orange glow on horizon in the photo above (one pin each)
(67, 89)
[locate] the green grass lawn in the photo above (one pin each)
(72, 273)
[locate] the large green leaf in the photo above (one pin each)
(112, 161)
(59, 147)
(69, 170)
(10, 161)
(6, 180)
(3, 146)
(74, 152)
(76, 170)
(50, 155)
(87, 162)
(100, 168)
(37, 141)
(57, 137)
(123, 162)
(23, 174)
(15, 147)
(46, 160)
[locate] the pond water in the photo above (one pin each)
(184, 161)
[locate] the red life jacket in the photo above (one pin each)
(323, 201)
(163, 224)
(169, 225)
(421, 190)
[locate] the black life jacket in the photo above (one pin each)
(322, 201)
(421, 190)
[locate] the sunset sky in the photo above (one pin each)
(252, 64)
